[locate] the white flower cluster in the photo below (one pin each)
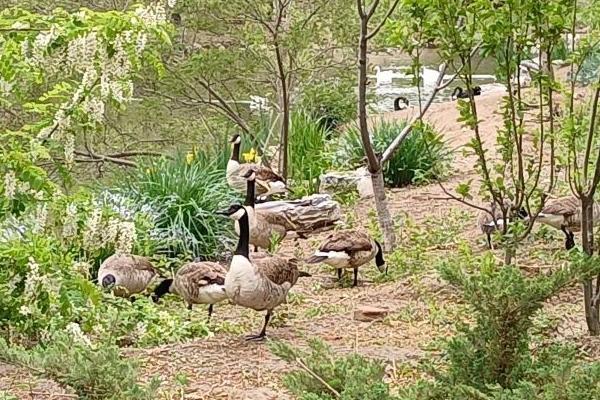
(127, 236)
(10, 185)
(5, 87)
(40, 218)
(90, 235)
(153, 14)
(34, 282)
(95, 109)
(110, 232)
(70, 222)
(81, 52)
(171, 3)
(40, 45)
(77, 334)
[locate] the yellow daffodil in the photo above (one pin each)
(189, 157)
(251, 156)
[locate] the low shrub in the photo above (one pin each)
(182, 194)
(422, 156)
(323, 375)
(308, 150)
(93, 372)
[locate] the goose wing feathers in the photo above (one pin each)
(566, 206)
(129, 263)
(348, 241)
(263, 173)
(203, 273)
(278, 269)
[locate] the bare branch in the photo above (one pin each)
(384, 20)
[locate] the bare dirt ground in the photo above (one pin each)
(422, 307)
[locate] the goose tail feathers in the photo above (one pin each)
(315, 259)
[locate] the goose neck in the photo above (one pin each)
(235, 153)
(243, 247)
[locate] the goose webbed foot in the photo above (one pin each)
(263, 332)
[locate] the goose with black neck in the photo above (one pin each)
(261, 284)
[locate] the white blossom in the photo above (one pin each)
(110, 232)
(152, 15)
(77, 334)
(40, 218)
(117, 92)
(91, 233)
(139, 330)
(32, 279)
(89, 76)
(45, 132)
(140, 42)
(10, 185)
(19, 25)
(127, 236)
(70, 223)
(26, 49)
(104, 85)
(171, 3)
(95, 109)
(81, 52)
(5, 87)
(23, 187)
(80, 15)
(13, 282)
(25, 310)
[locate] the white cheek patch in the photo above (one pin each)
(238, 140)
(238, 214)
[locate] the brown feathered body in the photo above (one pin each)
(132, 274)
(346, 249)
(261, 283)
(565, 212)
(200, 283)
(264, 225)
(267, 181)
(486, 220)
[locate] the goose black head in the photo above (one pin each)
(163, 288)
(235, 211)
(108, 281)
(250, 175)
(477, 90)
(379, 261)
(235, 139)
(522, 213)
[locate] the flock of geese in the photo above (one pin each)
(261, 281)
(255, 280)
(563, 213)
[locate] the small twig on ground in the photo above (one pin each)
(301, 364)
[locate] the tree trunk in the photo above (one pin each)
(592, 306)
(374, 164)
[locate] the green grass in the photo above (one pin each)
(309, 157)
(422, 157)
(184, 194)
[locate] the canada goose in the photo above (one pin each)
(400, 103)
(196, 283)
(460, 93)
(489, 222)
(349, 249)
(126, 274)
(264, 226)
(564, 213)
(268, 181)
(260, 283)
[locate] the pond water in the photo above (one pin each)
(402, 80)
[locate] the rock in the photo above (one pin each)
(347, 181)
(370, 313)
(306, 214)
